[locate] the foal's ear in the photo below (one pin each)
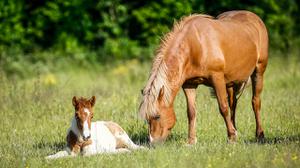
(92, 100)
(161, 93)
(74, 101)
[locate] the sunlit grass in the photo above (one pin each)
(36, 112)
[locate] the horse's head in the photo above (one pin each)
(83, 115)
(160, 123)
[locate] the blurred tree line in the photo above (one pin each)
(121, 29)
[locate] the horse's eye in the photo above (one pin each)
(157, 117)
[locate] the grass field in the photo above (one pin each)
(36, 112)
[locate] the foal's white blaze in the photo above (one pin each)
(86, 130)
(87, 111)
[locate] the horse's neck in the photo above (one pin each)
(174, 75)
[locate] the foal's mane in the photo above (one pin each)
(82, 101)
(158, 75)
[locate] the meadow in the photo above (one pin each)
(36, 112)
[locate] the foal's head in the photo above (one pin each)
(84, 114)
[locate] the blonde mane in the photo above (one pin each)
(158, 75)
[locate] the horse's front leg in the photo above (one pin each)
(190, 94)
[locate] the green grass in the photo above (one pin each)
(36, 112)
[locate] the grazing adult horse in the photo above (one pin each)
(221, 53)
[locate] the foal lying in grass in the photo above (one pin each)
(89, 138)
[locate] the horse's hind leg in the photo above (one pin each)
(257, 86)
(190, 94)
(220, 89)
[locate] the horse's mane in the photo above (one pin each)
(158, 75)
(177, 27)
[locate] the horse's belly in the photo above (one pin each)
(241, 66)
(240, 59)
(239, 73)
(103, 140)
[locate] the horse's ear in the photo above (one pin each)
(74, 101)
(161, 93)
(92, 100)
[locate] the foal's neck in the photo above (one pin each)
(74, 128)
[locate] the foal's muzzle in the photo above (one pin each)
(86, 138)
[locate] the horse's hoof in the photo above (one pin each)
(260, 137)
(232, 138)
(231, 141)
(192, 141)
(189, 145)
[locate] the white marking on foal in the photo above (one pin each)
(87, 111)
(86, 130)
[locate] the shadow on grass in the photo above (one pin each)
(57, 146)
(139, 137)
(142, 137)
(276, 140)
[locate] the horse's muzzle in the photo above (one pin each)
(156, 141)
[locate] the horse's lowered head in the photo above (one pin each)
(161, 121)
(83, 115)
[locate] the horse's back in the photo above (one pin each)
(233, 41)
(253, 25)
(257, 34)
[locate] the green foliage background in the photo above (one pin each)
(90, 31)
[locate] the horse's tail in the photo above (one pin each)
(239, 91)
(242, 88)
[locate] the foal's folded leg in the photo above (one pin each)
(122, 150)
(89, 150)
(59, 154)
(124, 138)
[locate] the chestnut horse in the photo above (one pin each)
(221, 53)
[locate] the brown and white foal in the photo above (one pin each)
(88, 138)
